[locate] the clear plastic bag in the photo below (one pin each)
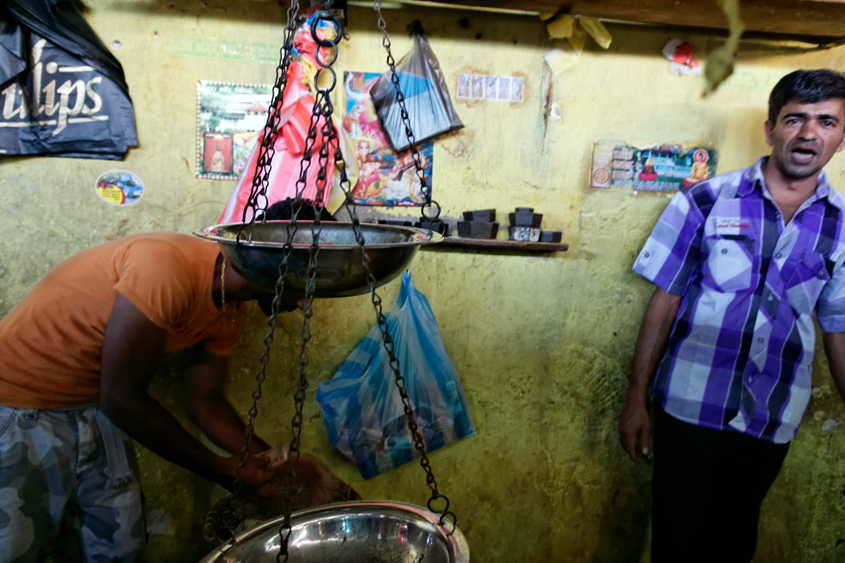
(361, 406)
(427, 100)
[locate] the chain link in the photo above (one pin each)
(267, 148)
(259, 189)
(322, 109)
(419, 442)
(429, 204)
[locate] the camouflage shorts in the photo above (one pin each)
(69, 488)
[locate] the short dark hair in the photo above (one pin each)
(283, 211)
(805, 87)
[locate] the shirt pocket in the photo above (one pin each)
(730, 264)
(808, 278)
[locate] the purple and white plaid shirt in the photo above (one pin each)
(741, 347)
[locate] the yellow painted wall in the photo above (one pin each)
(542, 343)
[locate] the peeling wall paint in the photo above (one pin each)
(543, 343)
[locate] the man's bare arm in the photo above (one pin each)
(132, 350)
(834, 347)
(209, 406)
(635, 423)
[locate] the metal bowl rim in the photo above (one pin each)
(456, 537)
(433, 237)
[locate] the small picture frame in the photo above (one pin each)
(478, 86)
(504, 91)
(464, 86)
(517, 85)
(218, 153)
(490, 83)
(231, 117)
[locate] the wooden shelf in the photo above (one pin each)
(823, 20)
(491, 244)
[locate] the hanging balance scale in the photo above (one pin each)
(353, 259)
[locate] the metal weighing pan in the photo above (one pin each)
(351, 532)
(340, 272)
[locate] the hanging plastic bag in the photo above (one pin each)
(85, 110)
(427, 99)
(361, 406)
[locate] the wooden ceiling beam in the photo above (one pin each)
(823, 19)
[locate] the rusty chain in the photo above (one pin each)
(429, 204)
(323, 109)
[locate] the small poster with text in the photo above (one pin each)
(654, 168)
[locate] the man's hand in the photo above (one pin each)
(635, 423)
(634, 426)
(255, 473)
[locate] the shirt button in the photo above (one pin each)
(647, 255)
(750, 380)
(821, 272)
(777, 215)
(760, 340)
(777, 255)
(770, 297)
(724, 251)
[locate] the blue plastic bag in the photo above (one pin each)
(361, 406)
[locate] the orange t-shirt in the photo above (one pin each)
(51, 343)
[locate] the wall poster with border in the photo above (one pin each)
(383, 176)
(652, 168)
(230, 118)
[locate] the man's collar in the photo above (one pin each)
(754, 177)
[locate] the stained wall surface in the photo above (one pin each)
(543, 343)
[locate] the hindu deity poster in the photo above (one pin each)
(384, 177)
(230, 117)
(662, 168)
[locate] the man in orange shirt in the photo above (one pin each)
(76, 358)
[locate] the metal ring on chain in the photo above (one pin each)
(435, 497)
(327, 101)
(333, 50)
(431, 205)
(445, 518)
(327, 17)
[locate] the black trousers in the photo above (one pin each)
(707, 489)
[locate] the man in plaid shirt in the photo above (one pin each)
(740, 262)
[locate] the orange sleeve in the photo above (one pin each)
(152, 275)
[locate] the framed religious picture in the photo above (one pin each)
(381, 175)
(230, 119)
(217, 153)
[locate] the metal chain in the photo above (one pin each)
(429, 206)
(266, 152)
(413, 426)
(267, 148)
(322, 109)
